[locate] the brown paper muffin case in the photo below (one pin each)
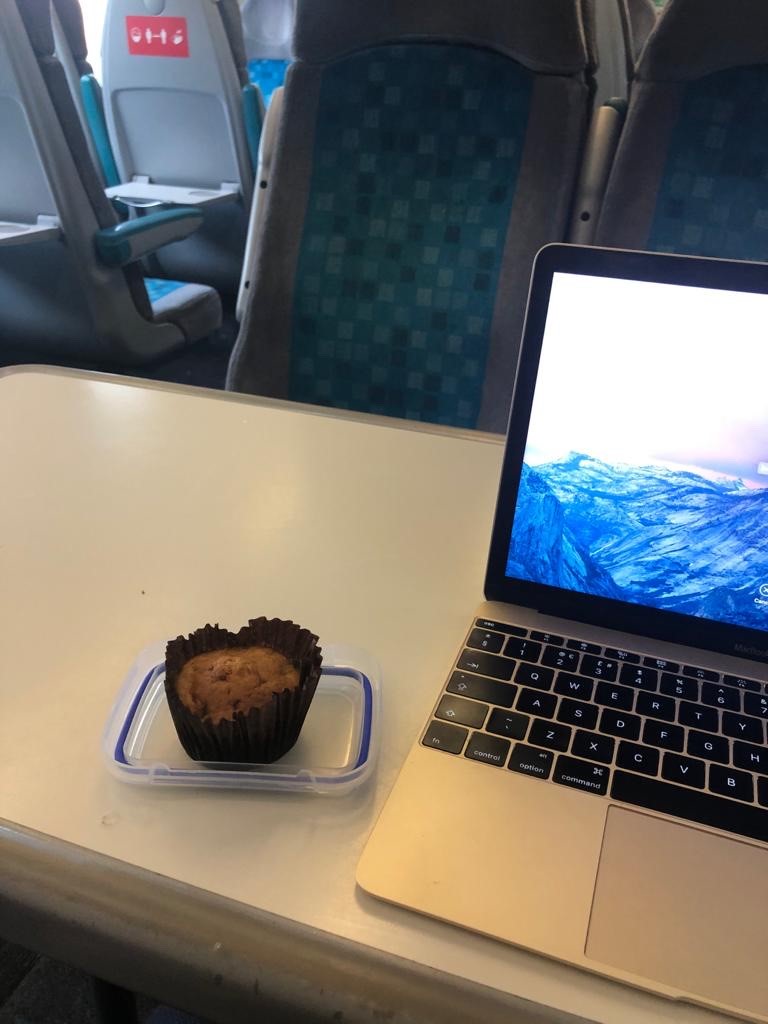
(261, 735)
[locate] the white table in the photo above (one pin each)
(130, 512)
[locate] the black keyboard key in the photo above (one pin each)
(618, 723)
(576, 712)
(731, 782)
(697, 717)
(501, 627)
(482, 640)
(743, 684)
(533, 702)
(753, 759)
(480, 688)
(583, 646)
(526, 650)
(700, 673)
(762, 792)
(661, 664)
(593, 746)
(659, 734)
(704, 744)
(599, 668)
(574, 686)
(531, 761)
(755, 704)
(547, 638)
(559, 657)
(486, 664)
(639, 677)
(691, 805)
(535, 675)
(637, 758)
(620, 655)
(742, 727)
(508, 723)
(581, 775)
(685, 770)
(447, 737)
(720, 696)
(677, 686)
(614, 696)
(550, 735)
(462, 712)
(656, 706)
(490, 749)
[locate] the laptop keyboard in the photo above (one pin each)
(669, 737)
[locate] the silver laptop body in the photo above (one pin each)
(592, 783)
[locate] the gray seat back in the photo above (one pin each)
(53, 293)
(691, 170)
(71, 51)
(621, 26)
(425, 153)
(172, 92)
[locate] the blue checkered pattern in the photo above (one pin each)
(157, 289)
(416, 159)
(713, 199)
(268, 75)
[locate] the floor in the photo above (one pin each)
(35, 989)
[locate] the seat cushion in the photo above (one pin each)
(194, 308)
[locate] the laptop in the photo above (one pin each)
(592, 782)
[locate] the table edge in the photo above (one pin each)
(218, 395)
(214, 956)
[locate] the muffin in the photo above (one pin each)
(241, 697)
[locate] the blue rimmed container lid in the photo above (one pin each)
(335, 752)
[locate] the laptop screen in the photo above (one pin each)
(644, 475)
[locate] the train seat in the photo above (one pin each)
(691, 169)
(184, 122)
(425, 152)
(70, 283)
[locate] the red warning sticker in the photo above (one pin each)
(157, 37)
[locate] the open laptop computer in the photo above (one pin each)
(592, 783)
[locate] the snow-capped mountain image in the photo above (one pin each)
(668, 538)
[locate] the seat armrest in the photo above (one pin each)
(600, 149)
(125, 243)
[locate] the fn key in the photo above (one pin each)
(445, 737)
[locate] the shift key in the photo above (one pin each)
(486, 664)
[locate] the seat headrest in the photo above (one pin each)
(549, 36)
(71, 18)
(693, 38)
(36, 15)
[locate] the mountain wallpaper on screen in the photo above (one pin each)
(667, 538)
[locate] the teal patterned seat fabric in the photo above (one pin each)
(415, 164)
(713, 197)
(267, 74)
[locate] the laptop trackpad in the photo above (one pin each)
(684, 908)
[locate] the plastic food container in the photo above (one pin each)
(334, 754)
